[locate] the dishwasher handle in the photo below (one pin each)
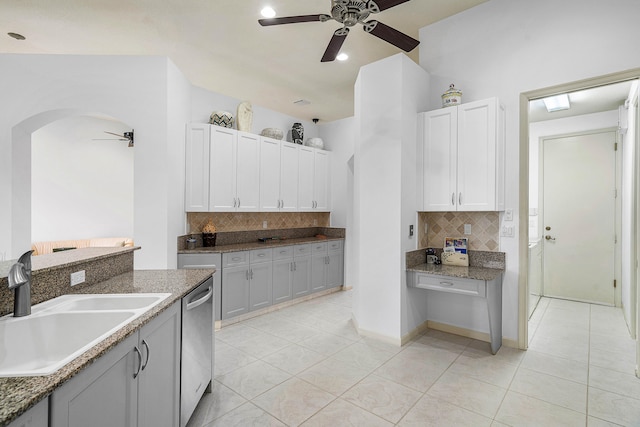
(193, 304)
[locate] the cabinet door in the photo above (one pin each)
(301, 276)
(439, 159)
(159, 379)
(289, 177)
(235, 291)
(269, 175)
(36, 416)
(282, 280)
(222, 172)
(197, 168)
(476, 175)
(248, 172)
(260, 285)
(102, 395)
(321, 181)
(318, 272)
(335, 269)
(306, 162)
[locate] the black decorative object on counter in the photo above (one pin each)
(297, 133)
(209, 239)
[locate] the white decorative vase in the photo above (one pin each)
(245, 116)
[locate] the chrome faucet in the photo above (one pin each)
(20, 281)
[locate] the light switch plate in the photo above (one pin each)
(264, 224)
(508, 215)
(77, 277)
(467, 229)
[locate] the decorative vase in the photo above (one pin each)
(244, 117)
(274, 133)
(222, 118)
(297, 133)
(452, 97)
(315, 143)
(209, 239)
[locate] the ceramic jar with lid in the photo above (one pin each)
(452, 97)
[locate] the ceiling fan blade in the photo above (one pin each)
(391, 35)
(116, 134)
(376, 6)
(109, 139)
(293, 19)
(335, 44)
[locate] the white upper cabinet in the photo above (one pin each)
(462, 154)
(232, 171)
(278, 176)
(197, 166)
(313, 182)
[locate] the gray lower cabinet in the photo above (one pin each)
(282, 288)
(235, 292)
(37, 416)
(335, 264)
(260, 285)
(247, 279)
(137, 383)
(206, 261)
(301, 270)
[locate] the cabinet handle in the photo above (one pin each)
(146, 362)
(460, 199)
(446, 283)
(135, 375)
(234, 202)
(290, 266)
(261, 255)
(246, 274)
(453, 199)
(238, 201)
(295, 267)
(252, 274)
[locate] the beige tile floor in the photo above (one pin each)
(306, 365)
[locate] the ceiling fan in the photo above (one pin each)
(126, 136)
(350, 13)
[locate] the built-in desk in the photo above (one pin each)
(475, 281)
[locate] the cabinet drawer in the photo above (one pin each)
(320, 247)
(336, 245)
(199, 261)
(451, 284)
(301, 250)
(235, 258)
(260, 255)
(285, 252)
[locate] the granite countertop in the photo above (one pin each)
(255, 245)
(44, 263)
(478, 273)
(18, 394)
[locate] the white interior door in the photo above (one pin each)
(579, 217)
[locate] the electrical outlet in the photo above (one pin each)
(264, 224)
(411, 230)
(77, 278)
(315, 222)
(507, 231)
(467, 229)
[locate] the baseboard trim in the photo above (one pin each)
(374, 335)
(469, 333)
(419, 330)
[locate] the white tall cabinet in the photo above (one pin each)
(278, 176)
(463, 157)
(313, 190)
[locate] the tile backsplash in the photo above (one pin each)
(485, 228)
(244, 221)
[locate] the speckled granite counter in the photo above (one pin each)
(18, 394)
(479, 273)
(255, 245)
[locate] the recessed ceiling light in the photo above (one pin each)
(268, 12)
(342, 57)
(17, 36)
(557, 103)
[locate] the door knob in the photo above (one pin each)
(547, 237)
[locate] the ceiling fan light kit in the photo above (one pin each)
(349, 13)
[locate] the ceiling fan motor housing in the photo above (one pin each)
(349, 12)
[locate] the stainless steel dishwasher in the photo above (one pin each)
(197, 347)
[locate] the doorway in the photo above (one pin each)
(530, 205)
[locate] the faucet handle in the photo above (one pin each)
(20, 272)
(25, 259)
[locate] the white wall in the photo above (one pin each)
(80, 187)
(205, 102)
(384, 193)
(505, 47)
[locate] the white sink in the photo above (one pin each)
(63, 328)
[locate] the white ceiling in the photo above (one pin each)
(593, 100)
(219, 44)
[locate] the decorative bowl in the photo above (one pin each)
(274, 133)
(315, 143)
(222, 118)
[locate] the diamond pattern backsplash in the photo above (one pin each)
(245, 221)
(485, 227)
